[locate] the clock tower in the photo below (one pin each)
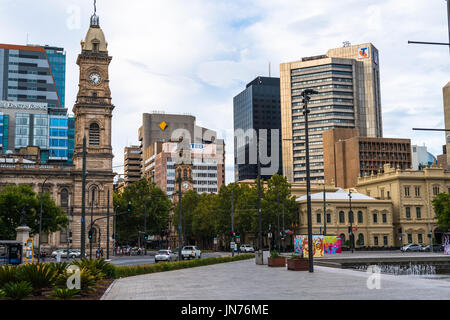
(93, 116)
(183, 173)
(93, 108)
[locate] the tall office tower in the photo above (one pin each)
(256, 108)
(446, 93)
(132, 164)
(348, 83)
(159, 128)
(32, 98)
(33, 74)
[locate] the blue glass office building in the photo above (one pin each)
(32, 102)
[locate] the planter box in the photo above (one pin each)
(298, 264)
(277, 262)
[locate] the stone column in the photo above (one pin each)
(23, 234)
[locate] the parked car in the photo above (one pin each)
(411, 248)
(436, 248)
(73, 253)
(247, 248)
(191, 252)
(63, 253)
(165, 255)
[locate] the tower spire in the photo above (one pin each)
(95, 20)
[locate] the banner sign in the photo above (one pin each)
(301, 245)
(29, 257)
(447, 243)
(332, 244)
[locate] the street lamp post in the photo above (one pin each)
(305, 94)
(40, 220)
(278, 225)
(260, 241)
(324, 212)
(350, 213)
(179, 215)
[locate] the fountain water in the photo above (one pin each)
(409, 270)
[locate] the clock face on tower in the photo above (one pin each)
(185, 186)
(95, 78)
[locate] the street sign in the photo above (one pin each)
(355, 228)
(232, 245)
(270, 235)
(238, 239)
(215, 240)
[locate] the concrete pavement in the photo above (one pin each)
(244, 280)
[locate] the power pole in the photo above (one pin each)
(232, 221)
(107, 228)
(179, 215)
(83, 202)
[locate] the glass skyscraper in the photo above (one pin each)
(257, 108)
(32, 101)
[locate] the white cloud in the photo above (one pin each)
(195, 56)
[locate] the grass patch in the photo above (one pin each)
(130, 271)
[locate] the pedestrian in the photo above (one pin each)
(101, 252)
(97, 253)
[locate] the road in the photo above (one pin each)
(150, 258)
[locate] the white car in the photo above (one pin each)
(165, 255)
(247, 248)
(191, 252)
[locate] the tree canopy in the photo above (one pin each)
(148, 200)
(15, 200)
(441, 205)
(208, 215)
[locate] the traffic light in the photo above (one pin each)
(70, 234)
(145, 237)
(129, 208)
(349, 230)
(90, 234)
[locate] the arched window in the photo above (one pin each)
(341, 217)
(94, 134)
(361, 239)
(350, 217)
(64, 198)
(360, 217)
(342, 238)
(92, 196)
(185, 175)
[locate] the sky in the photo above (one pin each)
(193, 57)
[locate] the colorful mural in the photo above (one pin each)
(301, 245)
(332, 244)
(447, 243)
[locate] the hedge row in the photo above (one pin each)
(129, 271)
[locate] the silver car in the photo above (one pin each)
(165, 255)
(247, 248)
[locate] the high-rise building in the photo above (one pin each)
(33, 74)
(348, 83)
(32, 99)
(257, 108)
(348, 156)
(132, 164)
(206, 166)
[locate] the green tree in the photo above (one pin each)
(441, 205)
(189, 203)
(16, 199)
(148, 202)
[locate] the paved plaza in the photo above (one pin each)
(244, 280)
